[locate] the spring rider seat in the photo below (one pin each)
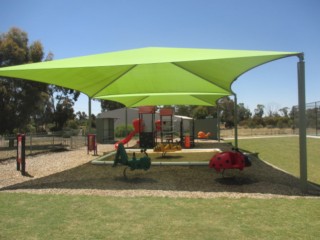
(229, 160)
(134, 163)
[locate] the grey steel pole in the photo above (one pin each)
(90, 118)
(235, 120)
(316, 112)
(302, 124)
(218, 122)
(126, 118)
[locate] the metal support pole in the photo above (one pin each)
(235, 121)
(302, 124)
(90, 118)
(218, 122)
(126, 118)
(23, 155)
(316, 112)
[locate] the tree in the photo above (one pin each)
(63, 113)
(200, 112)
(284, 111)
(107, 105)
(259, 111)
(258, 114)
(183, 110)
(20, 101)
(81, 116)
(271, 110)
(227, 111)
(62, 101)
(243, 112)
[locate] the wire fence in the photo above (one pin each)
(312, 117)
(253, 132)
(36, 144)
(43, 143)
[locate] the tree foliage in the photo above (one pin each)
(226, 105)
(63, 113)
(23, 102)
(107, 105)
(61, 104)
(259, 111)
(200, 112)
(20, 101)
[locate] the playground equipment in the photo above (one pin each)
(134, 163)
(147, 134)
(187, 135)
(165, 127)
(203, 135)
(167, 147)
(166, 121)
(137, 125)
(229, 160)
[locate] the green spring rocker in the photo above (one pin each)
(134, 163)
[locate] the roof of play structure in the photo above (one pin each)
(149, 76)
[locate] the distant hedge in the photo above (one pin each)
(121, 130)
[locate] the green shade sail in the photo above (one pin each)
(149, 76)
(162, 76)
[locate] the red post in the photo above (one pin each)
(187, 142)
(21, 153)
(92, 144)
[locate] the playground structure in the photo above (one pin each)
(160, 134)
(203, 135)
(137, 126)
(166, 121)
(164, 126)
(147, 133)
(229, 160)
(134, 163)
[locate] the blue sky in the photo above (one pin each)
(70, 28)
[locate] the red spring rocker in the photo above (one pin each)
(229, 160)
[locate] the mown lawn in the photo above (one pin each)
(283, 152)
(31, 216)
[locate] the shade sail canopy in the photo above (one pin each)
(149, 76)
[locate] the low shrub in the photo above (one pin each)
(122, 131)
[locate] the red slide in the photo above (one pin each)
(135, 123)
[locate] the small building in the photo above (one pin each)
(208, 125)
(105, 130)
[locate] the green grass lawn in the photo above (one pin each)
(284, 153)
(31, 216)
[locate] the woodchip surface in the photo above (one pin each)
(71, 172)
